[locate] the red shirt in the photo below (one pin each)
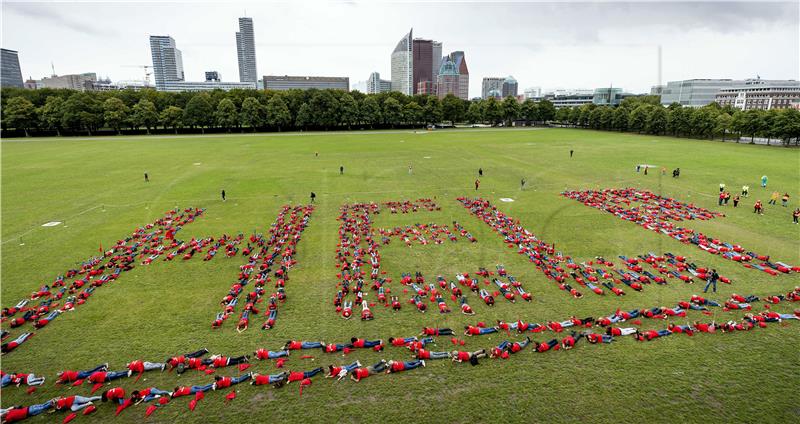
(262, 354)
(463, 356)
(182, 391)
(295, 345)
(115, 393)
(473, 330)
(335, 371)
(68, 376)
(220, 362)
(359, 343)
(16, 414)
(361, 373)
(295, 376)
(98, 377)
(136, 366)
(398, 366)
(195, 362)
(223, 382)
(64, 403)
(175, 360)
(398, 342)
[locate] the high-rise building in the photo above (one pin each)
(403, 65)
(533, 92)
(694, 92)
(213, 76)
(423, 61)
(491, 87)
(10, 73)
(463, 74)
(509, 87)
(447, 82)
(760, 94)
(427, 87)
(246, 51)
(436, 59)
(167, 60)
(376, 85)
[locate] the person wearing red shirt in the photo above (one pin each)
(471, 357)
(19, 413)
(100, 377)
(115, 395)
(341, 372)
(545, 346)
(139, 367)
(359, 374)
(268, 354)
(69, 376)
(568, 342)
(361, 343)
(298, 376)
(264, 379)
(401, 342)
(400, 366)
(8, 347)
(296, 345)
(426, 354)
(221, 382)
(219, 361)
(73, 403)
(428, 331)
(471, 330)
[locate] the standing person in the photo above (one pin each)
(341, 170)
(745, 190)
(570, 153)
(773, 200)
(313, 196)
(522, 184)
(721, 198)
(477, 183)
(727, 197)
(638, 167)
(663, 171)
(763, 181)
(758, 208)
(736, 201)
(785, 200)
(410, 169)
(645, 169)
(712, 280)
(316, 154)
(223, 194)
(480, 172)
(796, 215)
(146, 178)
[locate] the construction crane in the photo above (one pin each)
(145, 68)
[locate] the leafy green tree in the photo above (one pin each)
(619, 119)
(278, 114)
(392, 112)
(226, 115)
(547, 111)
(492, 112)
(656, 120)
(738, 124)
(413, 113)
(348, 110)
(51, 113)
(511, 110)
(704, 121)
(723, 124)
(20, 113)
(637, 120)
(325, 109)
(252, 114)
(370, 111)
(530, 112)
(562, 114)
(172, 117)
(82, 110)
(787, 125)
(432, 110)
(754, 123)
(452, 108)
(474, 114)
(304, 116)
(145, 115)
(198, 111)
(115, 113)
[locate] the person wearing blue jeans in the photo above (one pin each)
(154, 394)
(205, 388)
(399, 366)
(712, 279)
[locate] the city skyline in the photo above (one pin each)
(620, 49)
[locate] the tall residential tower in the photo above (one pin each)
(402, 66)
(246, 51)
(167, 60)
(10, 72)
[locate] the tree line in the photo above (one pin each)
(646, 115)
(68, 112)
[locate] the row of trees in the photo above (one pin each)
(81, 112)
(646, 115)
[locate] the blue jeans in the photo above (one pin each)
(154, 393)
(426, 340)
(488, 330)
(278, 354)
(38, 409)
(309, 374)
(438, 355)
(663, 333)
(6, 380)
(85, 374)
(195, 389)
(708, 283)
(410, 365)
(311, 345)
(82, 402)
(371, 343)
(502, 346)
(239, 379)
(274, 378)
(351, 367)
(113, 375)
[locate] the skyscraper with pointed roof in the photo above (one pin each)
(403, 65)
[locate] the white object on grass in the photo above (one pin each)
(506, 199)
(51, 224)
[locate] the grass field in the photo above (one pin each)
(95, 187)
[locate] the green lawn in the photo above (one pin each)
(95, 187)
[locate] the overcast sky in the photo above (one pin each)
(548, 44)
